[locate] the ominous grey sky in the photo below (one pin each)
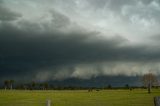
(58, 39)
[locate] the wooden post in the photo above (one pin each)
(157, 101)
(48, 103)
(149, 88)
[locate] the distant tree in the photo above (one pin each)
(6, 84)
(109, 86)
(41, 86)
(11, 84)
(149, 80)
(127, 86)
(24, 86)
(46, 85)
(33, 84)
(90, 90)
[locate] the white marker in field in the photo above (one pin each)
(48, 103)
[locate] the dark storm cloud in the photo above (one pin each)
(59, 20)
(52, 45)
(24, 52)
(7, 15)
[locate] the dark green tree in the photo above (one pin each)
(33, 84)
(6, 84)
(11, 82)
(46, 85)
(127, 86)
(41, 86)
(109, 86)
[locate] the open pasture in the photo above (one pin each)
(136, 97)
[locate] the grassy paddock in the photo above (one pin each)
(137, 97)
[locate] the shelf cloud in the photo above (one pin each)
(55, 40)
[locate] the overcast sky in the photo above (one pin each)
(59, 39)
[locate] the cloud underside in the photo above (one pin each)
(56, 47)
(51, 55)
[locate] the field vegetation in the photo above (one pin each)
(135, 97)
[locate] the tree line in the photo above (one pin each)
(149, 80)
(8, 84)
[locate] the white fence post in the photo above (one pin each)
(48, 103)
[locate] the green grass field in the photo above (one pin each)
(78, 98)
